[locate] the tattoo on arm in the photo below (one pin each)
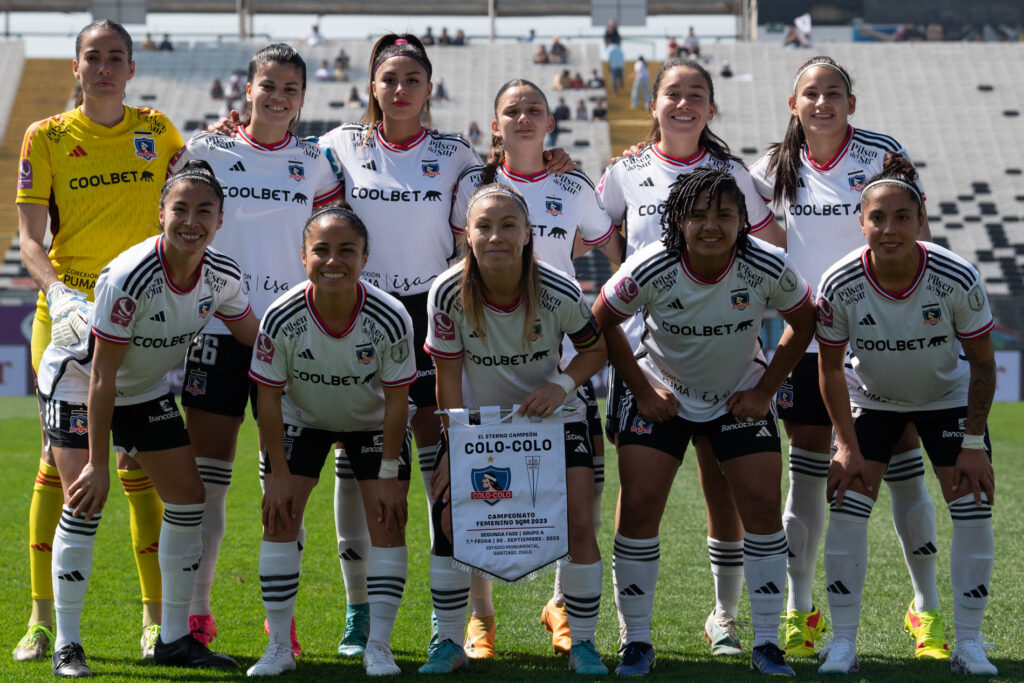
(980, 392)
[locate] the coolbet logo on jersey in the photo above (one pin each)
(740, 299)
(145, 145)
(932, 314)
(626, 289)
(364, 354)
(444, 327)
(553, 206)
(490, 484)
(124, 309)
(264, 348)
(431, 168)
(295, 171)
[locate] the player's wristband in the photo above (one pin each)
(567, 383)
(388, 469)
(973, 441)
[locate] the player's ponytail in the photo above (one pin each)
(276, 53)
(784, 157)
(387, 46)
(682, 200)
(496, 155)
(897, 170)
(196, 171)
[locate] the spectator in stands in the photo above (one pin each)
(440, 91)
(600, 112)
(561, 112)
(541, 55)
(581, 111)
(339, 73)
(428, 37)
(217, 90)
(528, 38)
(726, 71)
(673, 48)
(343, 59)
(460, 37)
(641, 83)
(577, 82)
(315, 37)
(562, 80)
(559, 52)
(323, 72)
(691, 45)
(795, 39)
(611, 34)
(165, 44)
(444, 38)
(473, 134)
(149, 43)
(595, 80)
(355, 99)
(616, 63)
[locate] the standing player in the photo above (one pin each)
(334, 363)
(272, 182)
(95, 172)
(815, 176)
(150, 301)
(925, 359)
(701, 375)
(568, 220)
(634, 191)
(497, 302)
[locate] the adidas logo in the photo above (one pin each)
(350, 554)
(149, 550)
(237, 166)
(927, 549)
(978, 592)
(582, 448)
(764, 432)
(370, 165)
(159, 317)
(307, 354)
(633, 590)
(838, 588)
(646, 182)
(77, 152)
(74, 576)
(676, 304)
(768, 589)
(299, 545)
(867, 320)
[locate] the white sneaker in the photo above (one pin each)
(276, 660)
(378, 660)
(969, 658)
(150, 634)
(840, 657)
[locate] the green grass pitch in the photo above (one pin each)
(111, 622)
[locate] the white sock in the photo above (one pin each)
(970, 564)
(846, 562)
(582, 585)
(764, 565)
(913, 515)
(426, 456)
(181, 555)
(385, 584)
(350, 525)
(280, 564)
(557, 594)
(216, 476)
(727, 568)
(598, 490)
(480, 603)
(449, 588)
(635, 566)
(804, 522)
(70, 568)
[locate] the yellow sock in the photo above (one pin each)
(43, 515)
(146, 513)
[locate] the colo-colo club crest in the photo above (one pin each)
(491, 484)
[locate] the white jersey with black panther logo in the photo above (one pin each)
(404, 194)
(269, 194)
(701, 336)
(138, 305)
(334, 381)
(904, 348)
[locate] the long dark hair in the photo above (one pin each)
(708, 140)
(682, 200)
(497, 152)
(109, 25)
(276, 53)
(387, 45)
(784, 157)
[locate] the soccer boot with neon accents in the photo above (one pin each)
(69, 662)
(840, 657)
(584, 660)
(296, 648)
(378, 660)
(802, 631)
(34, 644)
(969, 658)
(189, 651)
(148, 640)
(767, 658)
(277, 659)
(720, 633)
(480, 637)
(203, 627)
(637, 660)
(926, 628)
(357, 630)
(445, 658)
(556, 622)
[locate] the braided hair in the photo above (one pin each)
(682, 203)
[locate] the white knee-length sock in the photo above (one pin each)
(970, 564)
(804, 522)
(913, 515)
(350, 526)
(180, 554)
(846, 562)
(70, 568)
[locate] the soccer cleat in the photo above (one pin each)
(148, 641)
(432, 643)
(296, 648)
(445, 658)
(556, 622)
(203, 627)
(637, 660)
(720, 633)
(277, 659)
(802, 631)
(926, 628)
(584, 660)
(969, 658)
(357, 630)
(34, 644)
(840, 657)
(480, 637)
(188, 651)
(69, 662)
(378, 660)
(767, 658)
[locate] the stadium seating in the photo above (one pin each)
(12, 60)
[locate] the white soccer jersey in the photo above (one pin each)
(269, 194)
(497, 369)
(904, 345)
(138, 305)
(334, 381)
(404, 194)
(701, 337)
(559, 206)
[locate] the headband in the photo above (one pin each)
(402, 48)
(893, 181)
(830, 65)
(498, 189)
